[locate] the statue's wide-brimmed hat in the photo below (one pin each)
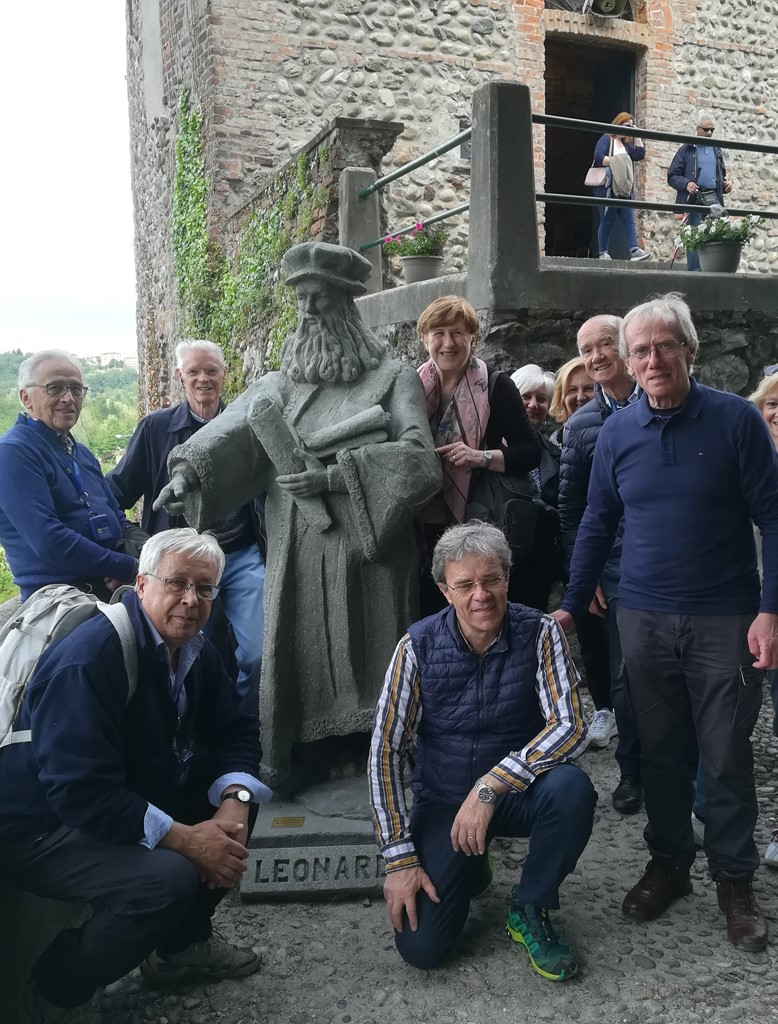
(331, 264)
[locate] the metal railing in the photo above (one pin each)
(570, 123)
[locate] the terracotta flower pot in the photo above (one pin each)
(720, 257)
(421, 268)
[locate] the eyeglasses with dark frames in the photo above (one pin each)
(178, 587)
(58, 389)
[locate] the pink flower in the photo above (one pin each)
(419, 226)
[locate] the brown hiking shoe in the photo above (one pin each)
(746, 926)
(661, 884)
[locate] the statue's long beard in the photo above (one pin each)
(331, 347)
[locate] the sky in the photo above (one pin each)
(67, 277)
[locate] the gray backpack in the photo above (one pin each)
(48, 615)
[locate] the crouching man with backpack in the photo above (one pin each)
(141, 807)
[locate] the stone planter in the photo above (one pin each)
(421, 268)
(720, 257)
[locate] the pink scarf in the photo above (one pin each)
(464, 420)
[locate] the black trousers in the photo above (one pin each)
(141, 900)
(687, 675)
(556, 812)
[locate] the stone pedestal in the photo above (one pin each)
(319, 844)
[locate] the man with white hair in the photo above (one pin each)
(689, 469)
(614, 390)
(138, 803)
(59, 521)
(143, 473)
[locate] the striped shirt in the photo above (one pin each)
(399, 713)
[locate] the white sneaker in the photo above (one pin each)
(601, 728)
(639, 254)
(604, 256)
(698, 828)
(771, 853)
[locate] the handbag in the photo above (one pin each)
(503, 501)
(596, 177)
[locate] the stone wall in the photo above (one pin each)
(268, 75)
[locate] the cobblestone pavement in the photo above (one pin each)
(335, 962)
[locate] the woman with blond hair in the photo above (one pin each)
(619, 153)
(477, 419)
(572, 389)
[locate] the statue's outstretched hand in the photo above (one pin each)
(171, 498)
(313, 480)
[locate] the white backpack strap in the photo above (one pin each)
(120, 620)
(25, 736)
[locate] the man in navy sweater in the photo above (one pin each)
(59, 521)
(690, 469)
(141, 806)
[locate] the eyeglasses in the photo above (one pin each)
(177, 587)
(493, 582)
(57, 390)
(708, 131)
(640, 353)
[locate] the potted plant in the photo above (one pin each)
(420, 251)
(719, 240)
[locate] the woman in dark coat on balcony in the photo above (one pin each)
(619, 153)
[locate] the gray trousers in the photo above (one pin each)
(690, 674)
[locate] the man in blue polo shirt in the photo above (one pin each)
(690, 469)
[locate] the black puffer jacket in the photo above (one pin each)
(580, 436)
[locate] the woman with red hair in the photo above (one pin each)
(619, 153)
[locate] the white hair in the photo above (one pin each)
(198, 345)
(184, 541)
(705, 115)
(531, 377)
(27, 369)
(669, 309)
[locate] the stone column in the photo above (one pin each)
(503, 254)
(359, 220)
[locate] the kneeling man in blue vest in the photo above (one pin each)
(141, 808)
(489, 693)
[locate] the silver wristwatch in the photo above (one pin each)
(243, 796)
(485, 793)
(487, 458)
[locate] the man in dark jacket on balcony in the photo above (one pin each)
(492, 694)
(139, 802)
(699, 176)
(614, 389)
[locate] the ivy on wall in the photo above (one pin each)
(244, 304)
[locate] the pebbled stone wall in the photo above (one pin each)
(269, 75)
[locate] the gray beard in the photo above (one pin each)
(331, 348)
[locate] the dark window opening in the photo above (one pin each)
(593, 83)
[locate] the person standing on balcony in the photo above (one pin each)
(619, 153)
(699, 176)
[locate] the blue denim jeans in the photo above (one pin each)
(242, 593)
(693, 258)
(609, 214)
(628, 746)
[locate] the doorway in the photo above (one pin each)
(593, 83)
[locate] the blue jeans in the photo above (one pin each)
(609, 214)
(242, 592)
(556, 812)
(693, 258)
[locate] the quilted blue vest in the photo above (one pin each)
(476, 708)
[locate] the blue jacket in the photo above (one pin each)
(689, 490)
(684, 169)
(95, 762)
(476, 707)
(601, 149)
(580, 437)
(44, 525)
(142, 471)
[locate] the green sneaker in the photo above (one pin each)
(531, 927)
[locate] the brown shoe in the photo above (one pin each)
(660, 885)
(746, 926)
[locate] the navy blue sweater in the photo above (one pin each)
(96, 762)
(689, 490)
(44, 526)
